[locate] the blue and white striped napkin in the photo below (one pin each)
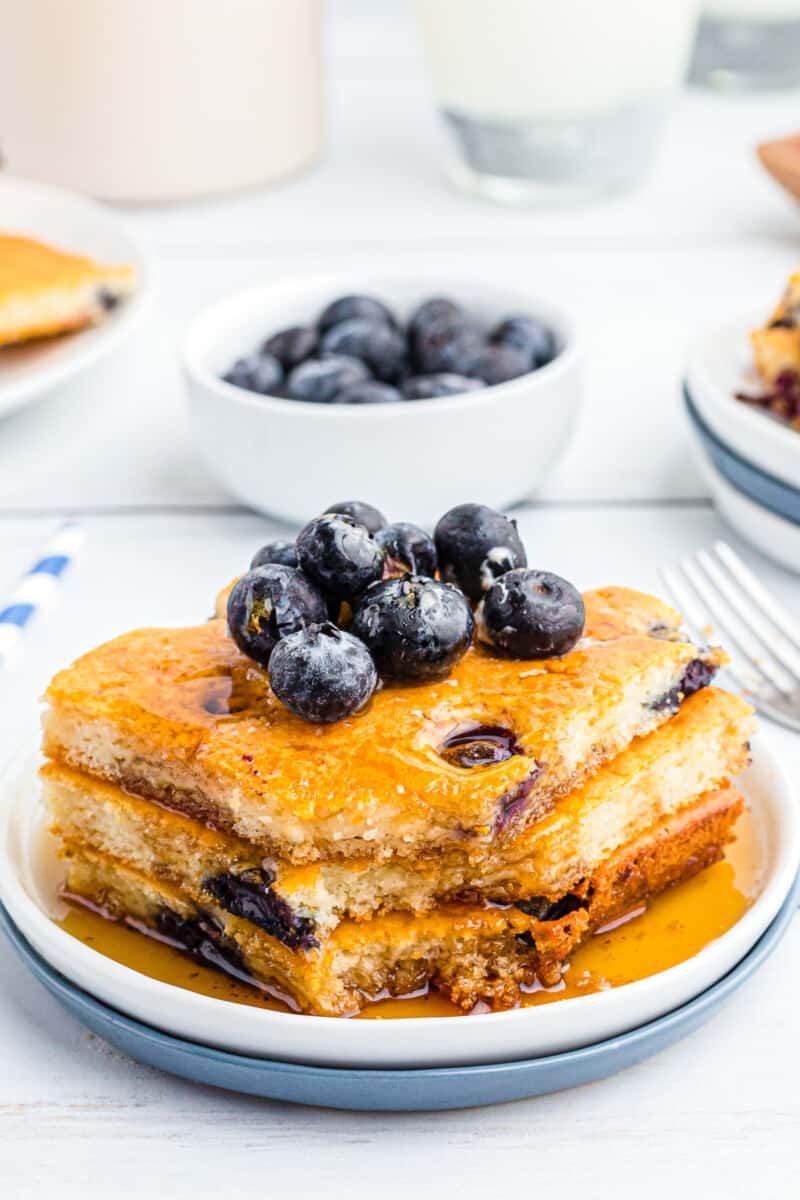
(38, 586)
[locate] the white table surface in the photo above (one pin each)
(715, 1116)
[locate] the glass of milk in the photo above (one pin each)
(550, 100)
(744, 44)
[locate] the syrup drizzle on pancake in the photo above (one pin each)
(671, 929)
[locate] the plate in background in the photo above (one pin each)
(78, 226)
(719, 365)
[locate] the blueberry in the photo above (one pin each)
(369, 393)
(339, 555)
(408, 550)
(239, 374)
(415, 628)
(424, 387)
(260, 373)
(447, 345)
(531, 614)
(322, 673)
(498, 364)
(354, 306)
(276, 552)
(377, 344)
(268, 603)
(319, 381)
(293, 345)
(475, 544)
(530, 336)
(366, 514)
(437, 308)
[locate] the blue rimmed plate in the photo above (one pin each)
(762, 487)
(397, 1090)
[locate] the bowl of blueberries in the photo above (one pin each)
(412, 390)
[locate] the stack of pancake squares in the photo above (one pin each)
(464, 834)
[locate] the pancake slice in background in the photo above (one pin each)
(44, 291)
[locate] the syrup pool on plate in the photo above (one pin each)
(669, 930)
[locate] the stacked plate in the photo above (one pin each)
(750, 460)
(419, 1064)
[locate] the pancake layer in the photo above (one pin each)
(472, 952)
(695, 752)
(182, 718)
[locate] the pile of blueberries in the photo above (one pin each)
(355, 598)
(358, 353)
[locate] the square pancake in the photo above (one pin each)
(183, 718)
(44, 291)
(471, 952)
(695, 752)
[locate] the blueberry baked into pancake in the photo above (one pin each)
(394, 762)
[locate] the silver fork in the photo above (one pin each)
(716, 591)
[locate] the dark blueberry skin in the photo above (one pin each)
(408, 550)
(293, 345)
(528, 335)
(475, 545)
(531, 614)
(426, 387)
(697, 675)
(204, 940)
(366, 514)
(268, 603)
(498, 364)
(276, 552)
(437, 308)
(260, 373)
(415, 628)
(248, 894)
(369, 392)
(339, 555)
(347, 307)
(377, 344)
(322, 673)
(447, 346)
(319, 381)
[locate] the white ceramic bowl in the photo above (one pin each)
(414, 460)
(80, 226)
(721, 363)
(26, 890)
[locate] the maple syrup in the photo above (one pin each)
(670, 929)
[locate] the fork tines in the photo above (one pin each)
(715, 591)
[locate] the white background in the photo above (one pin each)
(708, 235)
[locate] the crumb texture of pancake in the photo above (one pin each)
(182, 718)
(695, 752)
(471, 952)
(44, 291)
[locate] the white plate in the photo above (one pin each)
(720, 364)
(26, 889)
(79, 226)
